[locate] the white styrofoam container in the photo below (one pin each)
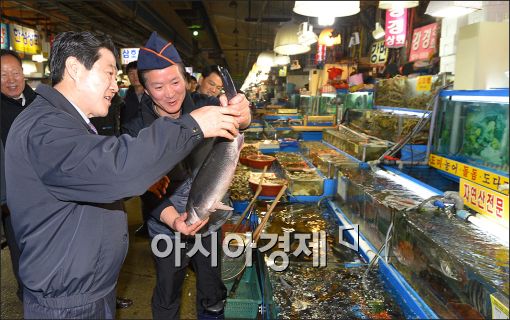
(447, 46)
(447, 64)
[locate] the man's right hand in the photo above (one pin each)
(217, 122)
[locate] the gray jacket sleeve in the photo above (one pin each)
(78, 166)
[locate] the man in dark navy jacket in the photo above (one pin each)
(163, 80)
(64, 181)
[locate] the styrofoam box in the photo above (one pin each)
(447, 64)
(447, 47)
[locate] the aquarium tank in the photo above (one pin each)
(472, 127)
(387, 123)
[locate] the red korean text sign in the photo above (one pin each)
(424, 43)
(396, 28)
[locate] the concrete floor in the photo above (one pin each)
(136, 281)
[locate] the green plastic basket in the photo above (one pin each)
(248, 298)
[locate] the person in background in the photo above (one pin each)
(192, 84)
(210, 83)
(163, 76)
(134, 95)
(16, 96)
(64, 181)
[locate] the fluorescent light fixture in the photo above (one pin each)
(398, 4)
(480, 99)
(416, 188)
(452, 9)
(38, 58)
(378, 33)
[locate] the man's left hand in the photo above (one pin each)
(240, 104)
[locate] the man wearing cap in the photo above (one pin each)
(64, 181)
(163, 76)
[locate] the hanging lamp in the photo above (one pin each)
(451, 9)
(398, 4)
(282, 60)
(326, 11)
(266, 59)
(286, 40)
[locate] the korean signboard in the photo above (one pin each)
(5, 36)
(490, 203)
(396, 28)
(24, 39)
(424, 42)
(378, 53)
(128, 55)
(482, 177)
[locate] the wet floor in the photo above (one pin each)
(136, 282)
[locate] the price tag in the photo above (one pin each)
(424, 83)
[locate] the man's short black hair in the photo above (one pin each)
(210, 69)
(133, 65)
(84, 46)
(6, 52)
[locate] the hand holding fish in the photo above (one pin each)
(240, 104)
(159, 187)
(217, 122)
(177, 221)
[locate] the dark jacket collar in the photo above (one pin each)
(57, 100)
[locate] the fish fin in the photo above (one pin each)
(220, 206)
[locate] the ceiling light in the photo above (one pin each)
(286, 40)
(451, 9)
(326, 37)
(282, 60)
(397, 4)
(326, 8)
(326, 20)
(306, 36)
(378, 33)
(266, 59)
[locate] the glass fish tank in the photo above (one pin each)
(472, 127)
(324, 105)
(359, 145)
(390, 124)
(453, 265)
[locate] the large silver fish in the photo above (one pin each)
(215, 176)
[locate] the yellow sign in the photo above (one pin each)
(499, 308)
(25, 40)
(489, 203)
(424, 83)
(483, 177)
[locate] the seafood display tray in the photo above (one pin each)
(344, 287)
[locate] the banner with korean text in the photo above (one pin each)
(423, 46)
(396, 28)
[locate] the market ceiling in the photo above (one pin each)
(231, 33)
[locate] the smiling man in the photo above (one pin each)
(64, 181)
